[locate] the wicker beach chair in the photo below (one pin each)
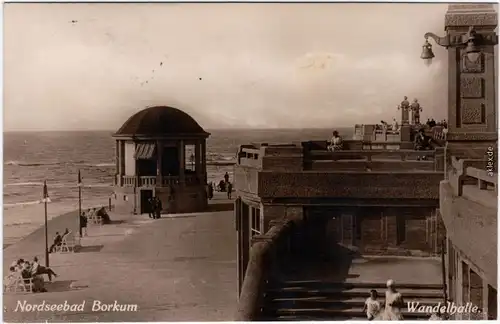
(15, 283)
(95, 220)
(68, 244)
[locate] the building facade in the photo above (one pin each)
(161, 152)
(373, 201)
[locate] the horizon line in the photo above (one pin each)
(208, 129)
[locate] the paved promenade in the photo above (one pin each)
(178, 268)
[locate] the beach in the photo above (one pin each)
(30, 158)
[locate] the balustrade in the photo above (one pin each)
(150, 181)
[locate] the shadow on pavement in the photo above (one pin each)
(90, 248)
(59, 286)
(218, 207)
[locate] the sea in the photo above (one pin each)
(30, 158)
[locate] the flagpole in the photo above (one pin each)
(45, 198)
(79, 202)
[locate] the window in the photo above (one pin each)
(255, 223)
(190, 158)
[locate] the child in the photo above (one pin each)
(372, 306)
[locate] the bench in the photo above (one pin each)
(15, 283)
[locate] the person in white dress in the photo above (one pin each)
(335, 142)
(393, 303)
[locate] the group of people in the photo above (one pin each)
(155, 208)
(29, 271)
(94, 212)
(422, 142)
(392, 309)
(224, 186)
(431, 123)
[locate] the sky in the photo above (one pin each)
(90, 66)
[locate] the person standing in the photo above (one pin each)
(226, 178)
(372, 306)
(158, 208)
(393, 303)
(83, 225)
(229, 190)
(150, 207)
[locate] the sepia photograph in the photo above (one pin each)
(169, 162)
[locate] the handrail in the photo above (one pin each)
(465, 170)
(260, 269)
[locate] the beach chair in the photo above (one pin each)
(68, 244)
(15, 283)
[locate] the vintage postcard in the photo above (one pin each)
(249, 162)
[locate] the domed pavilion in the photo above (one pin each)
(161, 152)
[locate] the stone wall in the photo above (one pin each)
(349, 185)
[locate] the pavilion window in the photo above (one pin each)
(145, 154)
(190, 162)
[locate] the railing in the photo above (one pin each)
(147, 181)
(369, 155)
(264, 262)
(471, 172)
(150, 181)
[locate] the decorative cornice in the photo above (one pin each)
(472, 18)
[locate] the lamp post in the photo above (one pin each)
(472, 41)
(45, 201)
(79, 203)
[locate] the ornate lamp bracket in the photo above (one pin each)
(441, 41)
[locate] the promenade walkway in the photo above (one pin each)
(178, 268)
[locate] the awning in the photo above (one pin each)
(145, 151)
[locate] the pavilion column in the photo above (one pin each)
(204, 161)
(182, 162)
(118, 164)
(121, 159)
(197, 156)
(159, 163)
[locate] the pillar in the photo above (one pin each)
(204, 161)
(471, 84)
(486, 298)
(182, 162)
(197, 159)
(159, 163)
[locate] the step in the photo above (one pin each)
(320, 302)
(340, 293)
(370, 285)
(331, 313)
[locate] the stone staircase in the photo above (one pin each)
(327, 301)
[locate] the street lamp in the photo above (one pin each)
(472, 40)
(46, 200)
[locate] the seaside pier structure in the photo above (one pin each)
(161, 152)
(298, 203)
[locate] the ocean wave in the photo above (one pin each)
(58, 185)
(22, 203)
(109, 164)
(24, 184)
(29, 164)
(17, 224)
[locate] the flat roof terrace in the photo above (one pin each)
(358, 156)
